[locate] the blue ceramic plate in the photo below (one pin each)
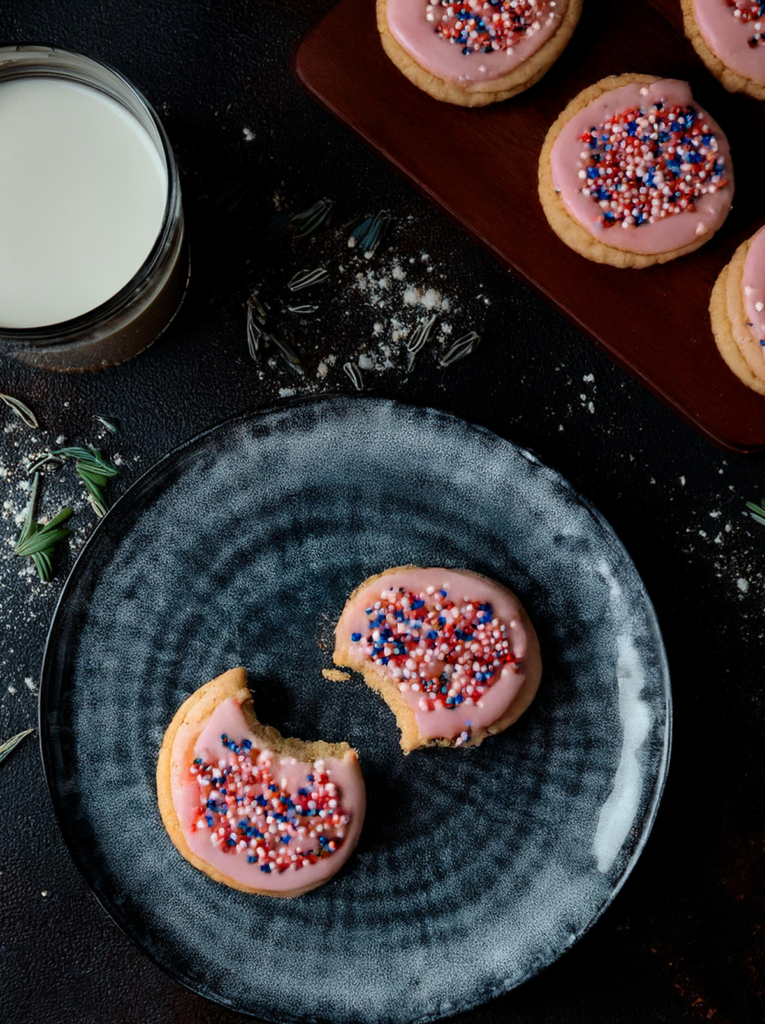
(477, 867)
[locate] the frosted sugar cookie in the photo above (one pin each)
(737, 311)
(634, 172)
(475, 52)
(729, 36)
(252, 809)
(453, 653)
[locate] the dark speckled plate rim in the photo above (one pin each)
(148, 478)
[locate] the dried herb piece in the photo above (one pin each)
(355, 375)
(460, 348)
(370, 232)
(11, 744)
(23, 411)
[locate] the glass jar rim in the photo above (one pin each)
(50, 335)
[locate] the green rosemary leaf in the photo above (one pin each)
(94, 485)
(43, 565)
(112, 425)
(23, 412)
(43, 540)
(12, 743)
(91, 476)
(757, 512)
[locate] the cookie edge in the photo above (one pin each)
(732, 80)
(480, 94)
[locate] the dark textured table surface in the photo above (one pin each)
(685, 939)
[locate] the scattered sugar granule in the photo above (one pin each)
(742, 584)
(249, 134)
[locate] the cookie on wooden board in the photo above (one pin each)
(737, 312)
(635, 173)
(473, 53)
(729, 36)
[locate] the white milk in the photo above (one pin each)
(82, 198)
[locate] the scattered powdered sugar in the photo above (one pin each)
(370, 304)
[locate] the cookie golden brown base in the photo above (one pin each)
(732, 340)
(480, 94)
(194, 714)
(560, 220)
(381, 682)
(732, 80)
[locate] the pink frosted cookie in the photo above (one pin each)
(452, 653)
(729, 36)
(249, 807)
(634, 172)
(475, 52)
(737, 311)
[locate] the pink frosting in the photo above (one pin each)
(568, 159)
(409, 24)
(228, 718)
(728, 37)
(449, 723)
(753, 281)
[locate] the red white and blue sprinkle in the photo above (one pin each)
(250, 814)
(486, 26)
(447, 651)
(646, 164)
(747, 11)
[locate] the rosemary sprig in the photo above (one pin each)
(111, 425)
(9, 745)
(462, 347)
(370, 232)
(93, 468)
(307, 279)
(355, 375)
(757, 512)
(23, 411)
(39, 542)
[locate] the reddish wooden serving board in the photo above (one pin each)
(480, 167)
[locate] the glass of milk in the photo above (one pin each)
(93, 263)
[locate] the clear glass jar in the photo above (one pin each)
(142, 309)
